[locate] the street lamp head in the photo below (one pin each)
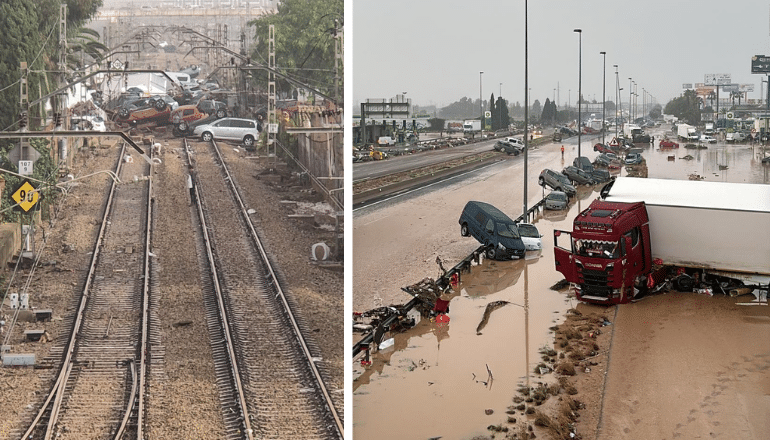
(602, 53)
(578, 30)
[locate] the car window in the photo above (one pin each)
(490, 227)
(223, 123)
(480, 217)
(506, 230)
(188, 112)
(526, 230)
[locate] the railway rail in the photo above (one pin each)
(270, 381)
(97, 391)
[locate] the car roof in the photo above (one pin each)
(493, 212)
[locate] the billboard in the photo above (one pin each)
(760, 64)
(717, 79)
(686, 86)
(747, 87)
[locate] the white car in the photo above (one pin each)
(229, 129)
(707, 138)
(530, 236)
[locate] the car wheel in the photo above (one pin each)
(123, 113)
(541, 181)
(221, 114)
(464, 230)
(491, 253)
(207, 136)
(248, 141)
(159, 105)
(182, 126)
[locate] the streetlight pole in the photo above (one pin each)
(580, 85)
(630, 91)
(526, 122)
(481, 106)
(604, 89)
(499, 113)
(617, 98)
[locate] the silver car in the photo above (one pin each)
(556, 200)
(230, 129)
(530, 236)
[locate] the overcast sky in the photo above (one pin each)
(433, 50)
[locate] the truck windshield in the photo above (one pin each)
(597, 248)
(510, 231)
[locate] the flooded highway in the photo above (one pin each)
(434, 381)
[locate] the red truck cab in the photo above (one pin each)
(608, 255)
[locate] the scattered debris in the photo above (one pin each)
(491, 307)
(561, 285)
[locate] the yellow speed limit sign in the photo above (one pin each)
(26, 196)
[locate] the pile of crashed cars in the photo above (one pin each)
(192, 107)
(581, 172)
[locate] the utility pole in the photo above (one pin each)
(272, 121)
(337, 57)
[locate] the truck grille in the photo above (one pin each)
(598, 278)
(595, 282)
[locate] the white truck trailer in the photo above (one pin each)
(471, 126)
(686, 132)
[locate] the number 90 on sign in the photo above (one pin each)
(26, 196)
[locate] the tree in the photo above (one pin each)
(492, 113)
(656, 111)
(304, 43)
(685, 107)
(536, 109)
(549, 112)
(436, 124)
(503, 120)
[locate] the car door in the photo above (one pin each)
(223, 129)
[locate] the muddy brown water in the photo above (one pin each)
(431, 382)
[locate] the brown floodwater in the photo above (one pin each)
(434, 381)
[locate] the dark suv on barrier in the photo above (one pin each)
(493, 229)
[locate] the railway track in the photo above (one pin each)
(101, 368)
(271, 385)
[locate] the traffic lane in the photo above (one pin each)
(373, 169)
(395, 164)
(396, 242)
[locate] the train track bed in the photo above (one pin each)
(57, 284)
(282, 398)
(183, 397)
(318, 292)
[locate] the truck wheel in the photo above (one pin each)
(464, 230)
(491, 253)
